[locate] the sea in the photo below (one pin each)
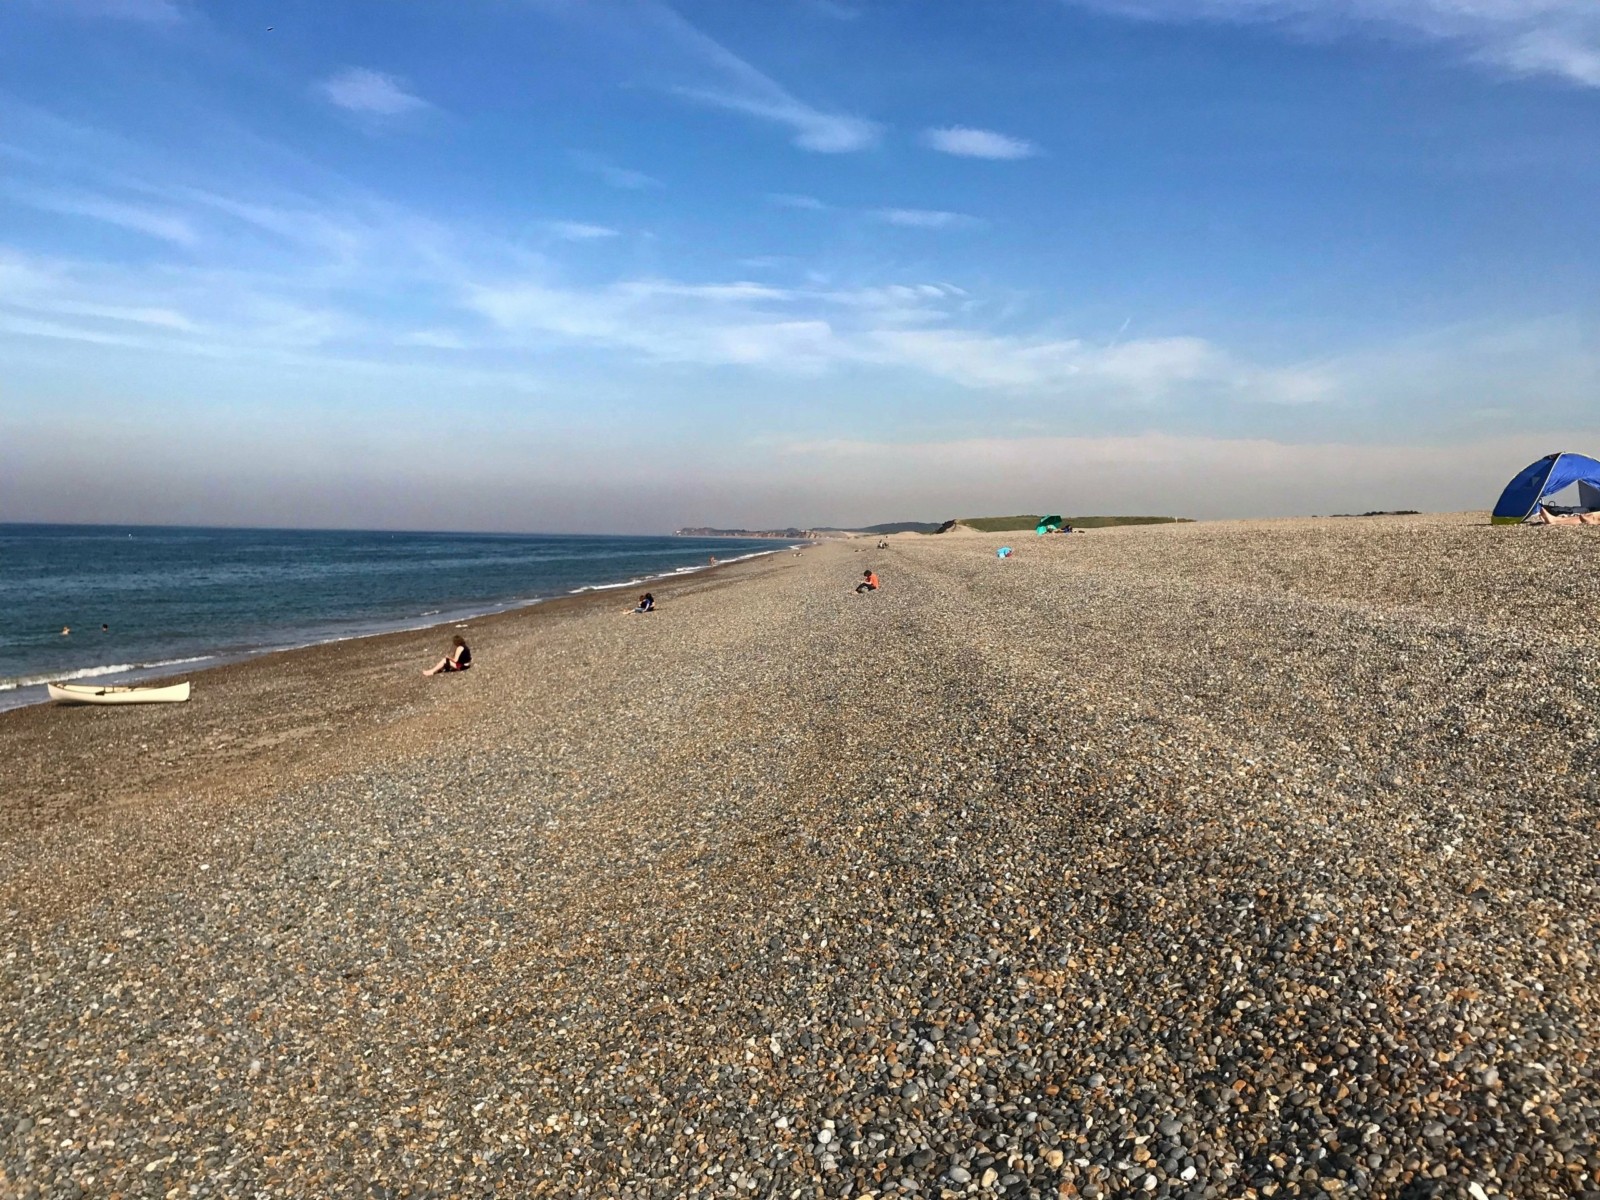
(146, 601)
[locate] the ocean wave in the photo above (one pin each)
(22, 681)
(672, 574)
(611, 587)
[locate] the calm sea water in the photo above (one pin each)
(172, 598)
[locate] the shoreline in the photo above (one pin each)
(17, 696)
(268, 719)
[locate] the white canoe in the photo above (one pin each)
(90, 693)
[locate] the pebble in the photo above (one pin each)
(1203, 861)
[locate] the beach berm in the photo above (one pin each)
(1206, 860)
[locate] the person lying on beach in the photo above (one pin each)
(459, 658)
(647, 603)
(869, 582)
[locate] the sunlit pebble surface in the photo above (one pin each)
(1212, 861)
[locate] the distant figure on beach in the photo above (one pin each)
(647, 603)
(713, 560)
(883, 543)
(459, 658)
(869, 582)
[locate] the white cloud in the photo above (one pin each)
(629, 179)
(903, 327)
(924, 218)
(33, 327)
(664, 321)
(624, 178)
(1545, 52)
(1148, 371)
(722, 293)
(790, 200)
(436, 339)
(371, 93)
(156, 12)
(1522, 37)
(936, 333)
(823, 132)
(580, 231)
(309, 277)
(158, 318)
(697, 67)
(333, 234)
(833, 10)
(167, 226)
(977, 143)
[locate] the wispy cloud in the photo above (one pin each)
(34, 328)
(686, 62)
(825, 133)
(435, 339)
(902, 327)
(1521, 37)
(1144, 371)
(925, 218)
(160, 12)
(791, 200)
(370, 93)
(624, 178)
(580, 231)
(42, 298)
(309, 274)
(977, 143)
(833, 10)
(156, 223)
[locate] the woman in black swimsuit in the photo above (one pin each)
(459, 658)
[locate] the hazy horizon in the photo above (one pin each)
(631, 266)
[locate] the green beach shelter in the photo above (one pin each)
(1047, 525)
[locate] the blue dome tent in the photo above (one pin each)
(1549, 475)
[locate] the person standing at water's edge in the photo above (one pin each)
(459, 658)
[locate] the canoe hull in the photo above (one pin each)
(84, 693)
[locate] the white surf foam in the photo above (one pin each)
(22, 681)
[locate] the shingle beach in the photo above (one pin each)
(1214, 860)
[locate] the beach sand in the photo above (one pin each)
(1211, 860)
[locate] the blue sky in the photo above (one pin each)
(614, 264)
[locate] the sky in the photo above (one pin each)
(625, 265)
